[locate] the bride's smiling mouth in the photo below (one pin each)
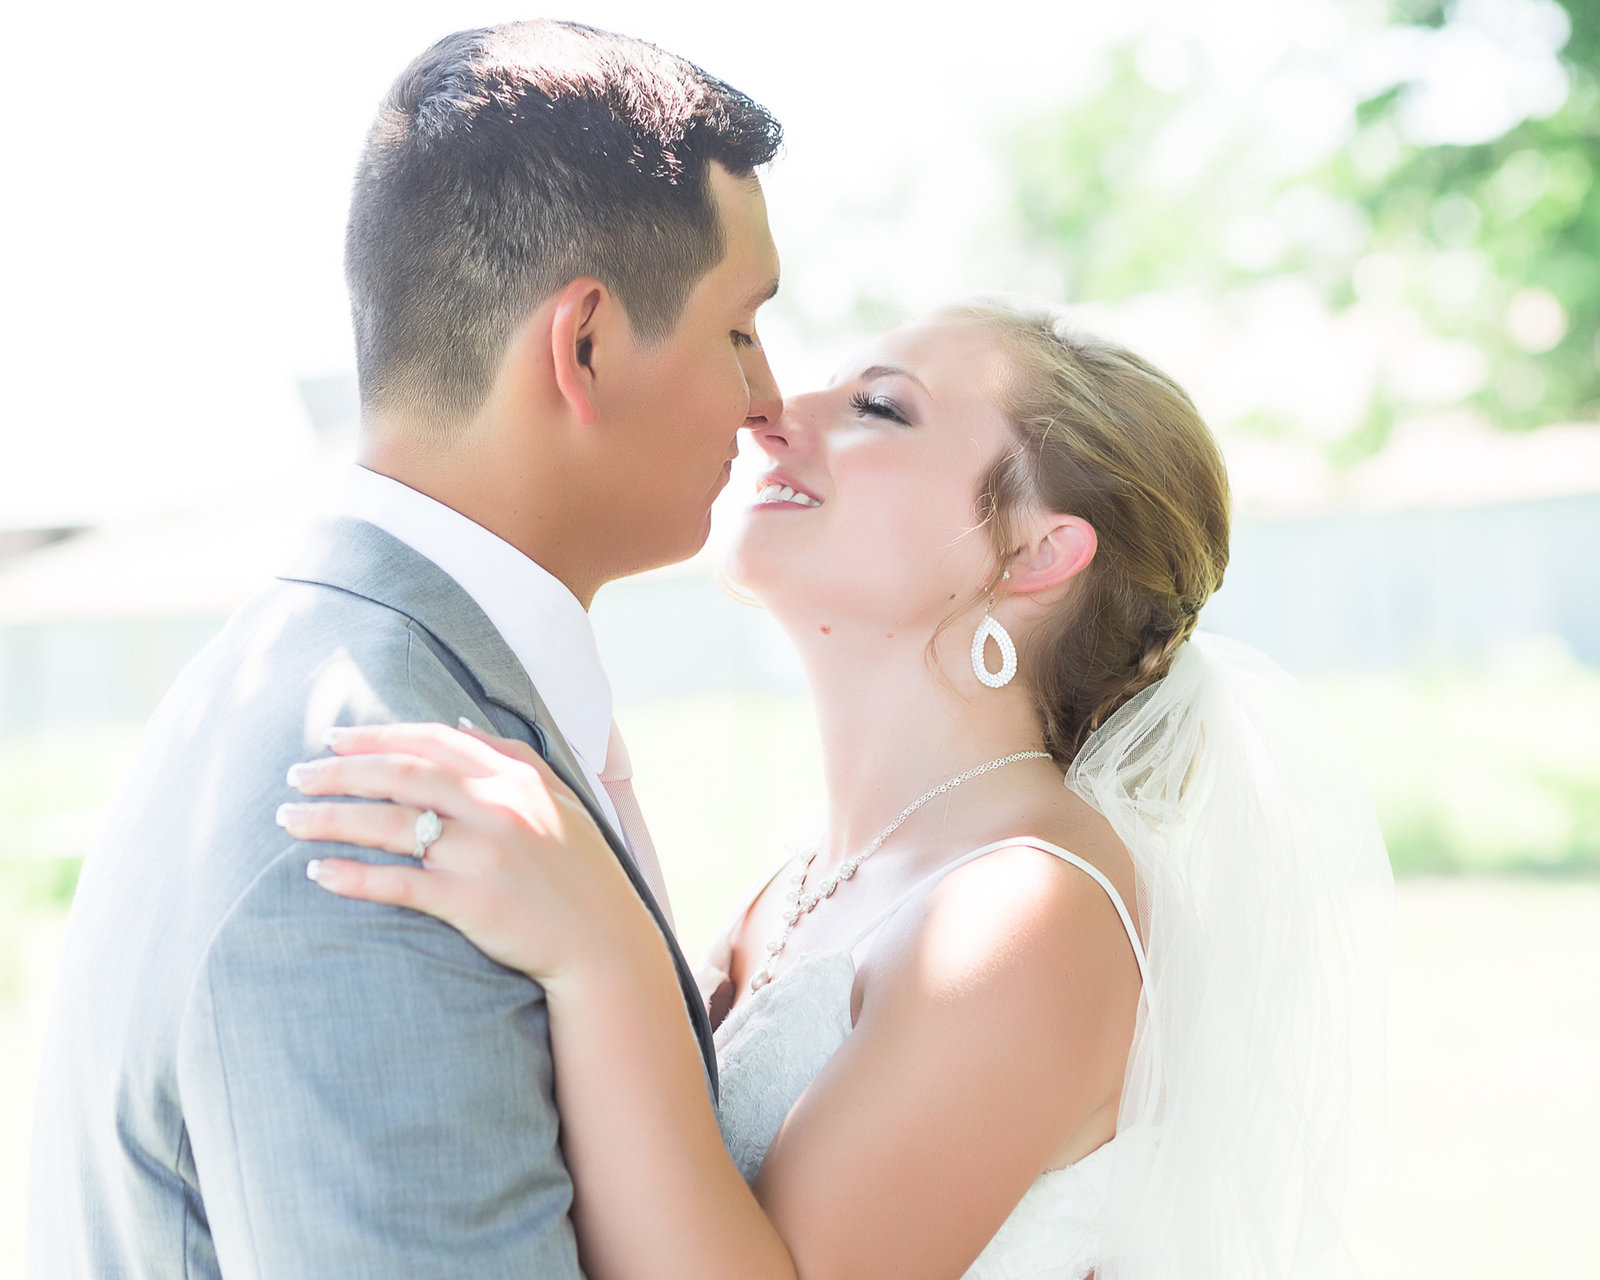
(776, 490)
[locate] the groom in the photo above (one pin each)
(556, 252)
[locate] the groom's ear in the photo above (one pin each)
(1060, 547)
(581, 309)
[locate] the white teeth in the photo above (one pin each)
(783, 493)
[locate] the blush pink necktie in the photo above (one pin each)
(617, 778)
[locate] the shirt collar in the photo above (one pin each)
(542, 622)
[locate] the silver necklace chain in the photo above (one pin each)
(801, 904)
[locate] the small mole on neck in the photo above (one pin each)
(825, 629)
(889, 635)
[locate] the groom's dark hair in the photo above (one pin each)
(505, 162)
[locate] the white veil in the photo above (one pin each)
(1265, 893)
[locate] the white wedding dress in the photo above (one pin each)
(775, 1041)
(1245, 1134)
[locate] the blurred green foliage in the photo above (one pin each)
(1167, 178)
(1525, 206)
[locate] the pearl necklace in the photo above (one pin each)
(802, 903)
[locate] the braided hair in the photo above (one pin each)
(1105, 436)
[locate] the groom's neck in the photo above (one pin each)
(475, 473)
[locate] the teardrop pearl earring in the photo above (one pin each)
(991, 628)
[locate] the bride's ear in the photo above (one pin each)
(1060, 548)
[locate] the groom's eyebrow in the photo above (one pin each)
(764, 294)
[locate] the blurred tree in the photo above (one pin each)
(1426, 168)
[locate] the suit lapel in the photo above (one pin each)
(354, 556)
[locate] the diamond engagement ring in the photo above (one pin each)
(428, 829)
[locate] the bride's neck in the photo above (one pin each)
(894, 725)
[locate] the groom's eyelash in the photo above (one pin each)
(743, 339)
(878, 407)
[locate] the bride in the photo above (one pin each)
(991, 1025)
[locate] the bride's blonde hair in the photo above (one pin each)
(1103, 435)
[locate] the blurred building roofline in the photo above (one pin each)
(205, 563)
(20, 541)
(1442, 463)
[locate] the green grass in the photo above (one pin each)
(54, 788)
(1491, 770)
(726, 783)
(1494, 769)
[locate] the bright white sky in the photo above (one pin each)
(177, 179)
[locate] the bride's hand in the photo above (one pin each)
(520, 867)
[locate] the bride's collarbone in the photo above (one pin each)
(830, 927)
(841, 916)
(890, 880)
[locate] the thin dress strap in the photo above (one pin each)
(1031, 842)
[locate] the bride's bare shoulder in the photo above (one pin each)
(1014, 969)
(1023, 912)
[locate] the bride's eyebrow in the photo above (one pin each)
(885, 371)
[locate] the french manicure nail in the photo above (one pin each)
(314, 869)
(281, 817)
(334, 736)
(297, 773)
(464, 723)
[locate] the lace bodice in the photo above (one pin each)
(775, 1041)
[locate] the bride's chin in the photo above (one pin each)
(737, 572)
(772, 586)
(777, 574)
(748, 565)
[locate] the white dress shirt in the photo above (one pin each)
(542, 622)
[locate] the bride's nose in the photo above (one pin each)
(782, 433)
(794, 429)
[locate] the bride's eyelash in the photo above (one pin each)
(878, 407)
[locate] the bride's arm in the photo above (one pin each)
(994, 1034)
(655, 1192)
(1000, 1033)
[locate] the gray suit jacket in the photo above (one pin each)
(249, 1077)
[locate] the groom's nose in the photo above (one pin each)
(766, 401)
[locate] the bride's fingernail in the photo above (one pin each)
(464, 723)
(285, 813)
(334, 736)
(314, 870)
(298, 773)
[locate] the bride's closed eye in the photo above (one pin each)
(878, 407)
